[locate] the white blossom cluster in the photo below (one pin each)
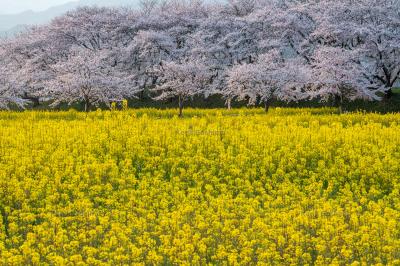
(254, 50)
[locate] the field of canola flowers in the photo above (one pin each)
(292, 187)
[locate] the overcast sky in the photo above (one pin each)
(17, 6)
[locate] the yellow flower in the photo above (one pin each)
(141, 187)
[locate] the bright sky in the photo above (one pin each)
(17, 6)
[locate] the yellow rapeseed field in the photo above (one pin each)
(240, 187)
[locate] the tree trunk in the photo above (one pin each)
(87, 105)
(388, 94)
(35, 102)
(339, 103)
(229, 103)
(267, 105)
(180, 106)
(340, 109)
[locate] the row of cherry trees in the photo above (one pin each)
(254, 50)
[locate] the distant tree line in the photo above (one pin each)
(249, 50)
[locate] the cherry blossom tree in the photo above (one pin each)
(181, 81)
(337, 75)
(258, 50)
(89, 77)
(29, 56)
(372, 27)
(270, 78)
(222, 41)
(148, 49)
(94, 28)
(288, 26)
(147, 7)
(163, 33)
(9, 94)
